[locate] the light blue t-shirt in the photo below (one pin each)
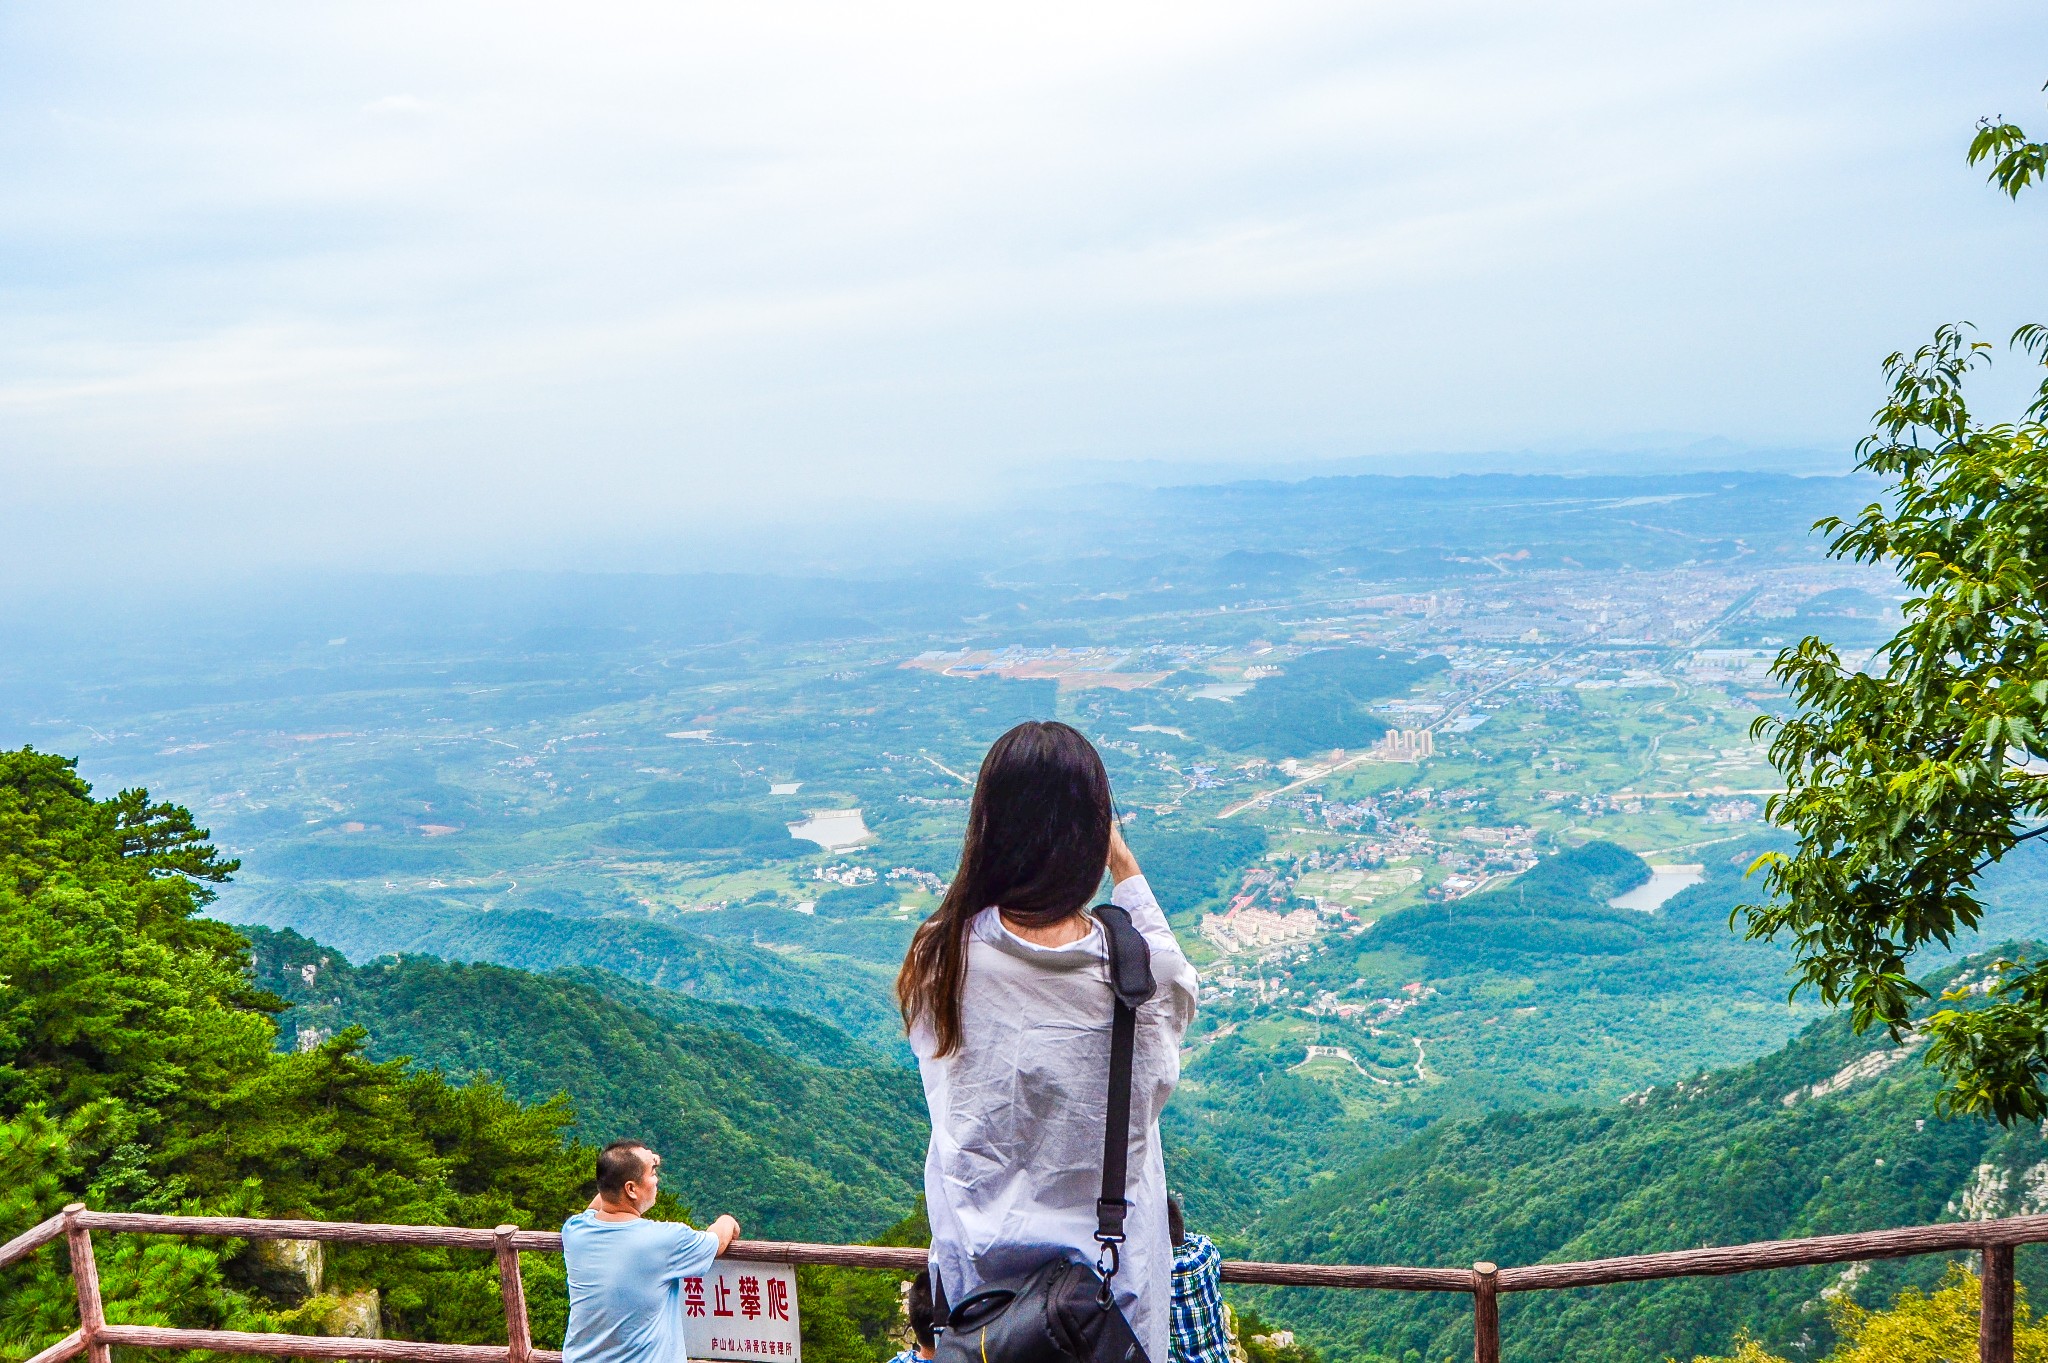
(625, 1287)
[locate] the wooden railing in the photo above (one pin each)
(1995, 1240)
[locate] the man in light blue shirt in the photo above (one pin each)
(625, 1272)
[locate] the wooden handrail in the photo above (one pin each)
(31, 1240)
(1483, 1282)
(1485, 1313)
(85, 1276)
(71, 1346)
(354, 1232)
(1378, 1277)
(309, 1346)
(1762, 1254)
(1994, 1306)
(907, 1259)
(512, 1291)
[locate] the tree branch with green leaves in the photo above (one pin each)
(1908, 774)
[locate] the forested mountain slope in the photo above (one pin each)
(639, 949)
(790, 1125)
(1833, 1133)
(138, 1072)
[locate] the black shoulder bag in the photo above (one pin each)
(1065, 1312)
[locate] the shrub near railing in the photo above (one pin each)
(1484, 1282)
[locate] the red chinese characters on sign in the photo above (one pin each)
(732, 1295)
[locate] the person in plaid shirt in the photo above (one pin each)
(1200, 1333)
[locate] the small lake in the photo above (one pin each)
(832, 829)
(1664, 882)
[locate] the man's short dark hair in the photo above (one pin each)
(919, 1305)
(619, 1164)
(1176, 1224)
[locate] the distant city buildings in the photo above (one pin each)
(1730, 664)
(1405, 745)
(924, 880)
(1247, 927)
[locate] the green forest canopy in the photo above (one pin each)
(1321, 701)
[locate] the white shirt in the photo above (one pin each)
(1015, 1163)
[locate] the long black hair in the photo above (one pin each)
(1037, 840)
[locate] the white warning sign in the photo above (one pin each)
(741, 1310)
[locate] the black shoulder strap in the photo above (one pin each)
(1130, 980)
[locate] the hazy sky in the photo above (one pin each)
(473, 284)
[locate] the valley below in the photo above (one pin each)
(1448, 787)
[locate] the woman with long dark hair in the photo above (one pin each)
(1006, 997)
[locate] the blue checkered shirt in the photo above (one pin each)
(1199, 1334)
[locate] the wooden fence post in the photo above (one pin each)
(1994, 1313)
(518, 1331)
(1485, 1313)
(85, 1276)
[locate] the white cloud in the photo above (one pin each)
(399, 105)
(750, 247)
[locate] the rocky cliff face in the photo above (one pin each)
(287, 1271)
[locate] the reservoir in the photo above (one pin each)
(832, 829)
(1664, 882)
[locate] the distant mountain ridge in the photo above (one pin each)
(639, 949)
(1672, 455)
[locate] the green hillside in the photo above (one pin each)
(1833, 1133)
(1556, 909)
(1533, 995)
(798, 1150)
